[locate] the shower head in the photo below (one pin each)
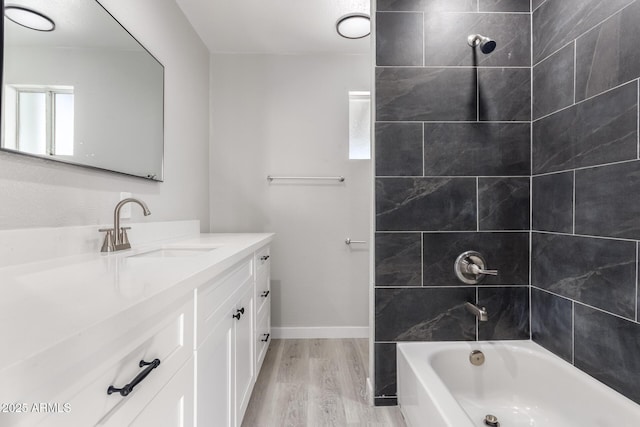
(486, 44)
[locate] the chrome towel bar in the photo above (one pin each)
(314, 178)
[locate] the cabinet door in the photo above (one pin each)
(244, 352)
(215, 382)
(173, 405)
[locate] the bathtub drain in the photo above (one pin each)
(491, 420)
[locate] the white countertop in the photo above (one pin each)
(46, 303)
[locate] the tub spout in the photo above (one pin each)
(480, 313)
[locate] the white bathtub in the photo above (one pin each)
(520, 382)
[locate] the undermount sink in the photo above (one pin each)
(173, 253)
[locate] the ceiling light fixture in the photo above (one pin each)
(354, 26)
(29, 18)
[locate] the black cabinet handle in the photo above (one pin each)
(124, 391)
(264, 258)
(265, 294)
(237, 316)
(241, 311)
(266, 337)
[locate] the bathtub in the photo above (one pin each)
(521, 383)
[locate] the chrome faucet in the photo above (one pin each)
(480, 313)
(116, 238)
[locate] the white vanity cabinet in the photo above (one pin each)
(225, 352)
(206, 326)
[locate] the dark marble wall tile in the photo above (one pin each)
(600, 130)
(429, 94)
(505, 5)
(385, 401)
(445, 39)
(557, 22)
(399, 38)
(508, 309)
(536, 4)
(503, 203)
(471, 149)
(504, 94)
(607, 348)
(398, 259)
(608, 201)
(608, 55)
(552, 197)
(398, 149)
(429, 5)
(385, 367)
(415, 204)
(598, 272)
(506, 252)
(413, 314)
(552, 323)
(553, 82)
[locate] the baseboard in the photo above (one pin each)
(320, 332)
(369, 391)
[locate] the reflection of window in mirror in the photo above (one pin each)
(39, 119)
(359, 125)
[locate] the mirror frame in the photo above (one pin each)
(67, 162)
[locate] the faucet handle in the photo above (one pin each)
(108, 244)
(475, 269)
(125, 238)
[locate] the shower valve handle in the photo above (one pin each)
(473, 268)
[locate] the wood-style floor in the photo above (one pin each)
(319, 382)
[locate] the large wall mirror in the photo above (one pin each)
(80, 89)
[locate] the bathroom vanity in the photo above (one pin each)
(169, 333)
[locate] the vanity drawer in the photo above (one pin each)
(263, 258)
(171, 341)
(212, 298)
(263, 335)
(263, 289)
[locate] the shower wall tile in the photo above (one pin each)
(598, 272)
(608, 201)
(428, 5)
(508, 309)
(552, 197)
(536, 4)
(398, 149)
(607, 348)
(503, 203)
(551, 323)
(600, 130)
(427, 94)
(399, 38)
(398, 259)
(504, 94)
(608, 55)
(553, 82)
(416, 204)
(557, 22)
(505, 6)
(506, 252)
(445, 37)
(385, 368)
(413, 314)
(471, 149)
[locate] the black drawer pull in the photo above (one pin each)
(265, 294)
(241, 311)
(264, 258)
(124, 391)
(237, 316)
(266, 337)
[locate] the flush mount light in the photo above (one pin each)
(29, 18)
(354, 26)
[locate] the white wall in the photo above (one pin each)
(288, 115)
(38, 193)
